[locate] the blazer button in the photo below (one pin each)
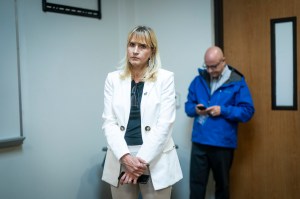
(147, 128)
(122, 128)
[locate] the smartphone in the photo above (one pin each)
(121, 174)
(201, 108)
(143, 179)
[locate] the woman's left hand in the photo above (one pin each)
(128, 178)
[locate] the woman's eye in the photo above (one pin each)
(143, 46)
(131, 44)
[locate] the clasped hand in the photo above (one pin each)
(134, 167)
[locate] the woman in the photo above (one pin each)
(139, 113)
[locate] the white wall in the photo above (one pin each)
(64, 61)
(184, 31)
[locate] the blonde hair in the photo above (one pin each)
(147, 35)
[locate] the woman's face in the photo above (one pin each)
(138, 53)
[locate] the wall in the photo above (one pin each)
(64, 62)
(184, 31)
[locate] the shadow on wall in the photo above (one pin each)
(91, 185)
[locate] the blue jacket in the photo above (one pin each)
(236, 104)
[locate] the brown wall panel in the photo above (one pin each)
(267, 161)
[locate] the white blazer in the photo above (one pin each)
(157, 118)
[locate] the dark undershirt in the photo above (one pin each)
(133, 134)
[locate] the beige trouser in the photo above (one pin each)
(131, 191)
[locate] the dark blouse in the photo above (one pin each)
(133, 134)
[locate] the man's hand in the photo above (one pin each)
(200, 109)
(214, 111)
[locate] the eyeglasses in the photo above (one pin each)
(135, 96)
(212, 67)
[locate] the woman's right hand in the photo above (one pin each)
(134, 165)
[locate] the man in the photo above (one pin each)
(218, 99)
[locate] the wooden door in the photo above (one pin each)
(267, 161)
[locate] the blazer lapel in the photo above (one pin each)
(125, 96)
(148, 86)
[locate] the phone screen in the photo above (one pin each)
(201, 107)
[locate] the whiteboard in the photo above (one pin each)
(10, 104)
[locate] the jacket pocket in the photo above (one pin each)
(170, 146)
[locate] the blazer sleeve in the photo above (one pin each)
(162, 119)
(111, 128)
